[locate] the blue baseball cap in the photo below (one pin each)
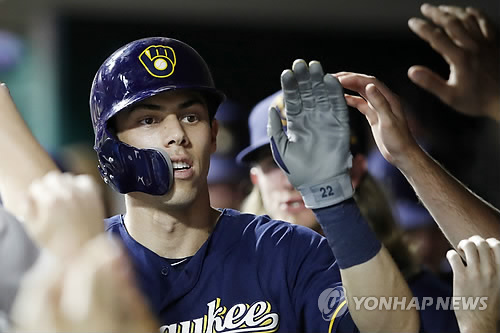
(257, 125)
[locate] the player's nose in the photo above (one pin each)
(175, 134)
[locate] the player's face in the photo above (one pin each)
(177, 122)
(281, 201)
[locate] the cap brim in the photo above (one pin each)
(247, 155)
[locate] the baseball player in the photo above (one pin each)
(152, 105)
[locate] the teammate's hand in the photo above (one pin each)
(480, 278)
(466, 40)
(63, 212)
(94, 292)
(384, 113)
(314, 150)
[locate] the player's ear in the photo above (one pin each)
(254, 178)
(214, 130)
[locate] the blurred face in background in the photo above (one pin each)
(280, 200)
(226, 195)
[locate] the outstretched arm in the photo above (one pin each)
(24, 160)
(467, 42)
(459, 212)
(314, 153)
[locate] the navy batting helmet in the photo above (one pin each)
(136, 71)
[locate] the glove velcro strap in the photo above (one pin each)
(328, 193)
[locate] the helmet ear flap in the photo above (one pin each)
(139, 70)
(128, 169)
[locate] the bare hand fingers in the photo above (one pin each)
(362, 105)
(430, 81)
(378, 102)
(437, 39)
(468, 20)
(452, 24)
(471, 254)
(486, 260)
(455, 262)
(486, 27)
(358, 82)
(495, 248)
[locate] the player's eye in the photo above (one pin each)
(190, 118)
(147, 121)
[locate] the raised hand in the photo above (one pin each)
(314, 149)
(384, 113)
(466, 40)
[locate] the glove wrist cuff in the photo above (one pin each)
(327, 193)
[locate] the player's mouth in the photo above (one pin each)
(293, 206)
(183, 169)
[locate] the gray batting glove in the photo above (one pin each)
(314, 148)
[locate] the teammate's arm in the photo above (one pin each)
(314, 154)
(459, 213)
(24, 160)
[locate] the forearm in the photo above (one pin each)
(459, 212)
(23, 158)
(376, 279)
(367, 269)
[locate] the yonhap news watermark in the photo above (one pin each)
(333, 301)
(422, 303)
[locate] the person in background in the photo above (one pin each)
(228, 181)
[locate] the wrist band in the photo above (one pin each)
(350, 237)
